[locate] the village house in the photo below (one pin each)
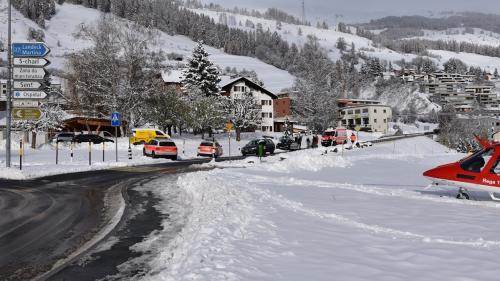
(235, 88)
(369, 115)
(283, 112)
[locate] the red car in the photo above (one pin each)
(210, 149)
(160, 148)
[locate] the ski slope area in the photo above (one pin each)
(327, 37)
(328, 40)
(480, 36)
(363, 215)
(61, 30)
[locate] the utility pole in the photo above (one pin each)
(9, 89)
(303, 12)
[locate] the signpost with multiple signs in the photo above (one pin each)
(25, 85)
(28, 74)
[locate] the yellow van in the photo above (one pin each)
(142, 136)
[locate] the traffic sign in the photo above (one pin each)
(27, 85)
(25, 103)
(37, 50)
(40, 62)
(115, 119)
(357, 128)
(29, 73)
(229, 126)
(26, 113)
(29, 95)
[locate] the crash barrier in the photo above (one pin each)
(406, 136)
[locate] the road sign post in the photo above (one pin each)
(9, 88)
(115, 122)
(26, 62)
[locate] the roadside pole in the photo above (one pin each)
(71, 147)
(90, 153)
(229, 134)
(115, 122)
(116, 143)
(103, 147)
(9, 89)
(21, 154)
(57, 151)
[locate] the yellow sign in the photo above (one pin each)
(357, 128)
(229, 126)
(26, 113)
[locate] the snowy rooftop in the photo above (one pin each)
(172, 76)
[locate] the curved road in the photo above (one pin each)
(45, 220)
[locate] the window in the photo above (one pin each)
(270, 115)
(476, 162)
(385, 120)
(495, 169)
(365, 110)
(349, 112)
(374, 120)
(342, 112)
(357, 111)
(385, 111)
(374, 111)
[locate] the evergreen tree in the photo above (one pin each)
(201, 84)
(201, 75)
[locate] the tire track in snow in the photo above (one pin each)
(377, 190)
(376, 229)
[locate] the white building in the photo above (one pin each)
(234, 88)
(373, 118)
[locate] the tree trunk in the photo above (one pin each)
(169, 127)
(33, 139)
(180, 130)
(209, 132)
(238, 134)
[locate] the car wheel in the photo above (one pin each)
(153, 155)
(174, 157)
(144, 152)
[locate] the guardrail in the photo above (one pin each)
(393, 138)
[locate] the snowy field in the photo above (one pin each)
(366, 215)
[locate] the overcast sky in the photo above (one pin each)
(362, 10)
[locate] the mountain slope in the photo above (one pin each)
(60, 31)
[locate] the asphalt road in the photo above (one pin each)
(45, 220)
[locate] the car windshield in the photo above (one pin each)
(329, 133)
(254, 142)
(167, 143)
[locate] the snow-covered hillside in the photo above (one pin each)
(59, 36)
(480, 36)
(328, 39)
(290, 32)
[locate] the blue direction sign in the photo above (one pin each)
(115, 119)
(34, 50)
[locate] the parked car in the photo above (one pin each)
(210, 148)
(63, 137)
(160, 148)
(251, 148)
(285, 142)
(95, 139)
(143, 136)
